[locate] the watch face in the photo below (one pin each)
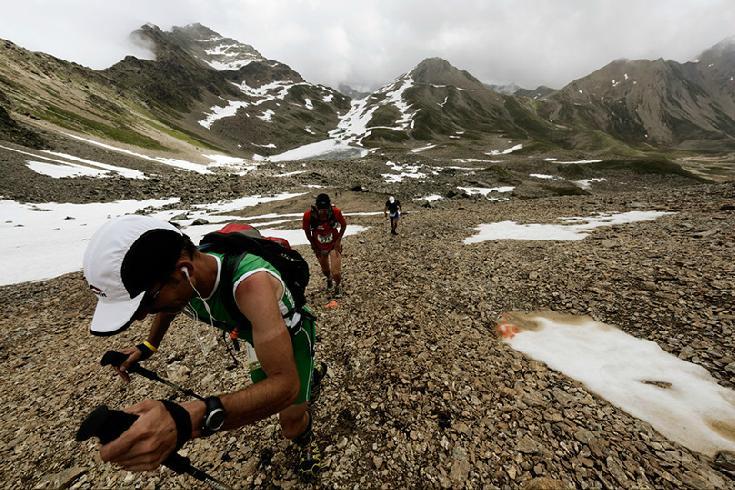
(215, 419)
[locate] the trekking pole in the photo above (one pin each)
(115, 358)
(107, 425)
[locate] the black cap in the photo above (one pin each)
(151, 259)
(323, 202)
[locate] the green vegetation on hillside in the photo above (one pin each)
(183, 135)
(72, 120)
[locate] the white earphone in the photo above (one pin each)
(185, 271)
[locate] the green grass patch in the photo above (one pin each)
(385, 116)
(74, 121)
(179, 134)
(388, 135)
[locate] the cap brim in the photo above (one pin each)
(111, 318)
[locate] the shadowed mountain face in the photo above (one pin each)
(11, 131)
(205, 90)
(658, 103)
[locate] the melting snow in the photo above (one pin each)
(430, 197)
(404, 171)
(587, 183)
(320, 149)
(308, 104)
(580, 161)
(575, 229)
(65, 229)
(544, 176)
(486, 190)
(423, 148)
(182, 164)
(220, 112)
(328, 98)
(235, 165)
(61, 170)
(227, 65)
(289, 174)
(353, 126)
(80, 170)
(266, 115)
(680, 399)
(504, 152)
(128, 173)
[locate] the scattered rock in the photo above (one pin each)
(62, 479)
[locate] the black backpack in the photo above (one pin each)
(235, 245)
(314, 217)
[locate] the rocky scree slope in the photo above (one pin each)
(420, 392)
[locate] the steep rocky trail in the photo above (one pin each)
(420, 391)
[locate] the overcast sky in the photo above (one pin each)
(366, 43)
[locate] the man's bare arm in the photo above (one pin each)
(256, 297)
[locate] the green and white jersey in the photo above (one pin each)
(249, 265)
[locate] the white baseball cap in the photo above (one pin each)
(122, 261)
(392, 199)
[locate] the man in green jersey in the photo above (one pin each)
(137, 266)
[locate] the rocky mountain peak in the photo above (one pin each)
(196, 29)
(722, 51)
(437, 71)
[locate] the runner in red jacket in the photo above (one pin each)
(324, 226)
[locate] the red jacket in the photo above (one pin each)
(324, 233)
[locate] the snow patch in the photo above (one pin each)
(128, 173)
(485, 191)
(680, 399)
(66, 228)
(430, 198)
(493, 153)
(266, 115)
(182, 164)
(319, 149)
(574, 229)
(63, 170)
(587, 183)
(220, 112)
(579, 161)
(227, 65)
(423, 148)
(403, 172)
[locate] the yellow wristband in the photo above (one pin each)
(150, 346)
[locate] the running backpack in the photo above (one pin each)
(236, 240)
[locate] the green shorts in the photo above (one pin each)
(304, 341)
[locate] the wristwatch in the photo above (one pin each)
(214, 417)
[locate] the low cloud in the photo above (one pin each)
(365, 44)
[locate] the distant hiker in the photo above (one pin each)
(139, 266)
(393, 207)
(325, 226)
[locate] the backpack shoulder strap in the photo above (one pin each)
(229, 265)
